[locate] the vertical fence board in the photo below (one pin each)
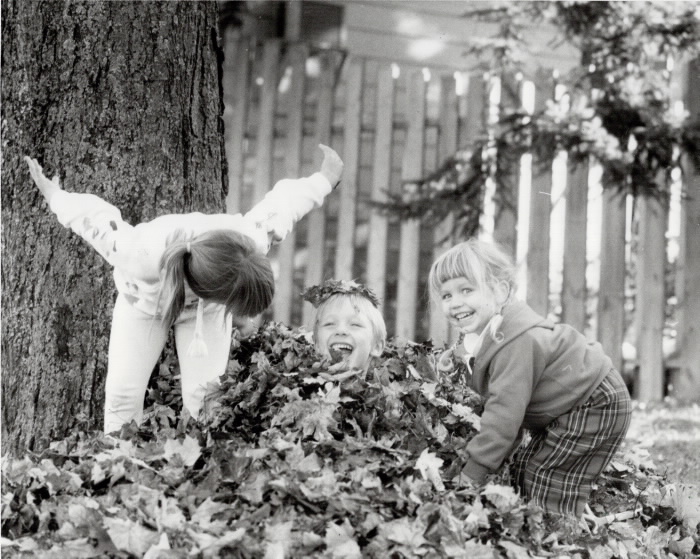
(315, 253)
(345, 252)
(573, 297)
(266, 124)
(411, 169)
(235, 78)
(508, 174)
(474, 126)
(651, 300)
(442, 236)
(537, 262)
(293, 13)
(284, 296)
(381, 180)
(611, 290)
(687, 379)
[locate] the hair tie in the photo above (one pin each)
(189, 247)
(494, 325)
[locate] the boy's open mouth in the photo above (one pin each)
(339, 352)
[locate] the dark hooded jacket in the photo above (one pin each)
(536, 373)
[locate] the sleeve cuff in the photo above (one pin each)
(476, 472)
(59, 201)
(324, 185)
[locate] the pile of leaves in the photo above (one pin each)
(293, 458)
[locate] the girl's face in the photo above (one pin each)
(468, 306)
(344, 334)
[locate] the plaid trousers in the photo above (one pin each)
(557, 467)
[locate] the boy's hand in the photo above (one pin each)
(47, 187)
(331, 166)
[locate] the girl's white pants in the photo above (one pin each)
(135, 344)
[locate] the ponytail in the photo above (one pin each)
(494, 327)
(173, 273)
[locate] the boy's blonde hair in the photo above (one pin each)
(362, 306)
(483, 263)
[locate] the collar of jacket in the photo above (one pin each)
(518, 317)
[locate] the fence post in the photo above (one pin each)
(293, 14)
(477, 111)
(442, 233)
(345, 251)
(284, 296)
(686, 385)
(540, 211)
(316, 233)
(613, 268)
(266, 120)
(411, 169)
(651, 296)
(573, 297)
(381, 178)
(507, 173)
(235, 86)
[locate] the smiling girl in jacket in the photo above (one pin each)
(534, 375)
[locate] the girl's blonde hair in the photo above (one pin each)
(362, 306)
(483, 263)
(222, 266)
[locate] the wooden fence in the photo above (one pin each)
(571, 238)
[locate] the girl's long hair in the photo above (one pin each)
(221, 266)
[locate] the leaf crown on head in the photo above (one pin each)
(317, 294)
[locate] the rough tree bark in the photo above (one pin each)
(121, 99)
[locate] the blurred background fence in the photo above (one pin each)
(613, 267)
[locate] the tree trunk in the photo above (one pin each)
(121, 99)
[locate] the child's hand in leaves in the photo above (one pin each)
(331, 166)
(245, 325)
(47, 187)
(464, 481)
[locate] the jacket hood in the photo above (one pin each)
(517, 318)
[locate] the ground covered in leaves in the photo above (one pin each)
(294, 459)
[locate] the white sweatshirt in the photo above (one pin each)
(135, 251)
